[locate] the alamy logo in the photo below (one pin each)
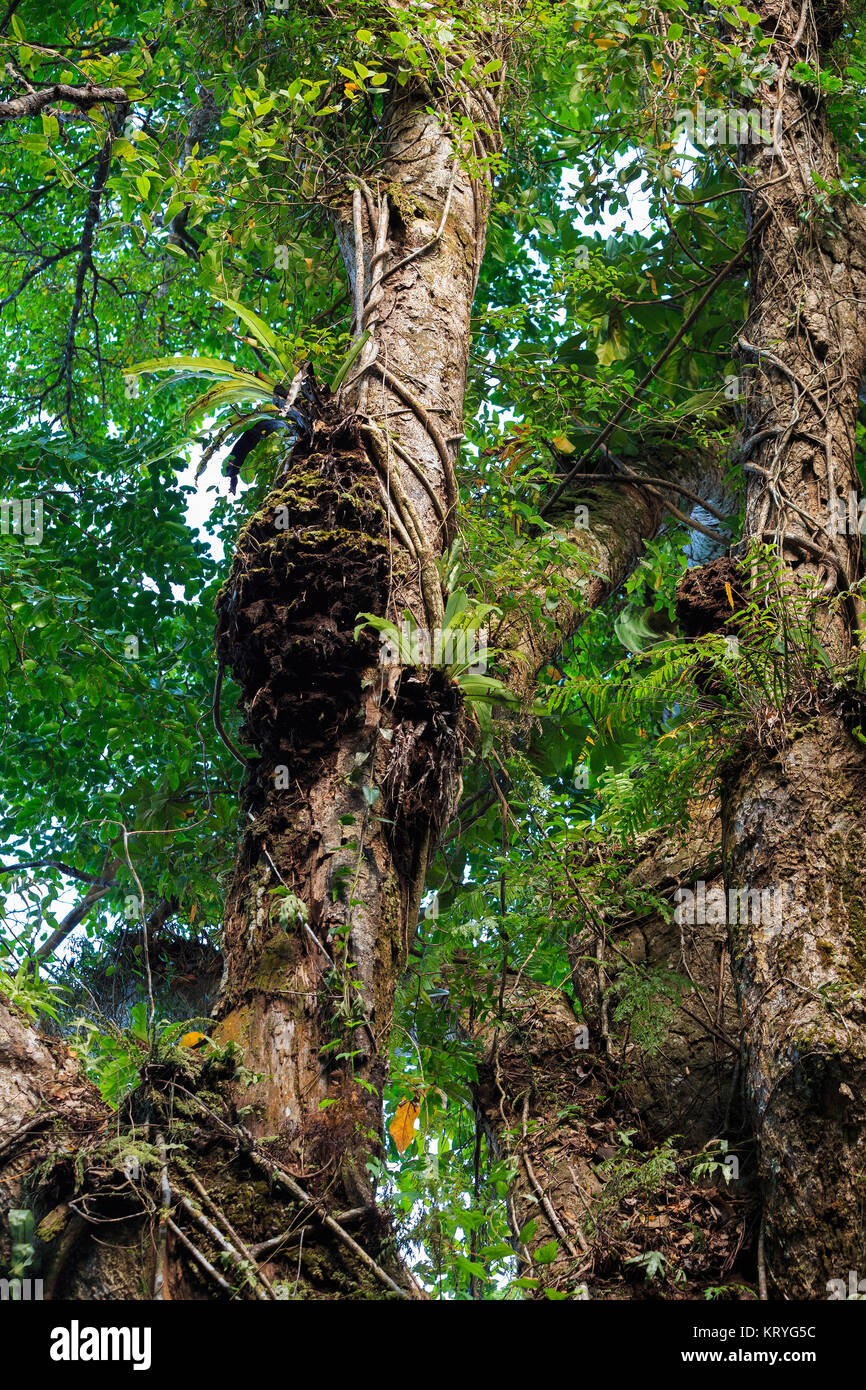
(465, 647)
(856, 1287)
(715, 906)
(732, 127)
(76, 1343)
(20, 1290)
(22, 518)
(847, 517)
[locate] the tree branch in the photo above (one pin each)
(82, 97)
(608, 429)
(98, 879)
(91, 220)
(626, 512)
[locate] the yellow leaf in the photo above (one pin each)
(192, 1040)
(402, 1127)
(605, 43)
(192, 912)
(562, 443)
(658, 68)
(729, 594)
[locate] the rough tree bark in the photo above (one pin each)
(793, 814)
(320, 711)
(357, 768)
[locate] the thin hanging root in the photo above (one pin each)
(325, 1216)
(542, 1195)
(370, 310)
(366, 317)
(217, 721)
(396, 523)
(234, 1255)
(358, 231)
(422, 478)
(836, 577)
(267, 1165)
(429, 246)
(431, 586)
(395, 490)
(372, 215)
(374, 265)
(663, 482)
(293, 1234)
(220, 1215)
(431, 589)
(200, 1259)
(409, 398)
(408, 523)
(681, 516)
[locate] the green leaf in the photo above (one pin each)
(192, 366)
(260, 331)
(351, 356)
(457, 603)
(546, 1254)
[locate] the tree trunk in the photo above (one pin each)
(358, 764)
(793, 808)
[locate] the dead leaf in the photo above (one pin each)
(605, 1152)
(402, 1127)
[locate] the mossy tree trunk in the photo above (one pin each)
(357, 763)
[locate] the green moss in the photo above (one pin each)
(277, 957)
(791, 951)
(54, 1224)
